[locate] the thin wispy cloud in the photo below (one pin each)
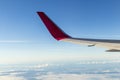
(13, 41)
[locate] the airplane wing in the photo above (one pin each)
(58, 34)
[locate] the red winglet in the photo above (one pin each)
(55, 31)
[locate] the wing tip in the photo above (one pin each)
(40, 12)
(55, 31)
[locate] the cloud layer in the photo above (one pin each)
(71, 71)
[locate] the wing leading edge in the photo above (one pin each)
(60, 35)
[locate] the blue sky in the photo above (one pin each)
(24, 38)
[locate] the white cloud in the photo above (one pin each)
(40, 66)
(11, 78)
(99, 62)
(75, 77)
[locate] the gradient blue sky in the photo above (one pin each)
(24, 38)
